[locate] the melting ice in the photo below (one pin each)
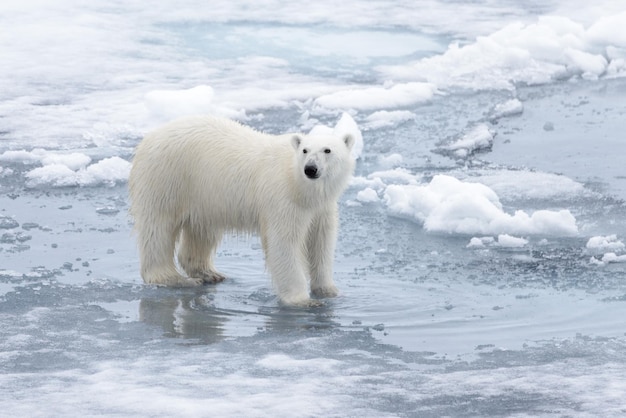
(481, 254)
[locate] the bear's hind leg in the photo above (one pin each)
(196, 252)
(156, 248)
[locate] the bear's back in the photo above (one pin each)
(216, 166)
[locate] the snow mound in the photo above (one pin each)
(451, 206)
(108, 171)
(613, 258)
(73, 160)
(378, 97)
(391, 160)
(506, 109)
(199, 100)
(605, 243)
(386, 118)
(550, 49)
(508, 241)
(479, 138)
(524, 184)
(367, 195)
(503, 241)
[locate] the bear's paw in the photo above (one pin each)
(212, 277)
(325, 291)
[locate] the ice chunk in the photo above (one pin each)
(401, 175)
(23, 156)
(605, 243)
(613, 258)
(591, 65)
(367, 195)
(384, 118)
(508, 241)
(56, 175)
(374, 183)
(391, 160)
(7, 222)
(449, 205)
(73, 161)
(609, 30)
(478, 138)
(170, 104)
(509, 108)
(107, 171)
(524, 184)
(480, 242)
(370, 98)
(552, 48)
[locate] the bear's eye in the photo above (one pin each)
(304, 151)
(327, 150)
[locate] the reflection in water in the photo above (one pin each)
(184, 316)
(209, 318)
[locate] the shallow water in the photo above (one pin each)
(424, 324)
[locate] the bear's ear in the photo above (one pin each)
(348, 140)
(296, 141)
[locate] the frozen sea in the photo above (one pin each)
(481, 256)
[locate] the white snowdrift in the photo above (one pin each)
(476, 139)
(552, 48)
(66, 170)
(604, 243)
(370, 98)
(108, 171)
(451, 206)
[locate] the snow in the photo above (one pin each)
(509, 108)
(108, 171)
(604, 243)
(508, 241)
(449, 205)
(367, 195)
(480, 242)
(369, 98)
(480, 254)
(478, 138)
(609, 30)
(613, 258)
(535, 53)
(502, 241)
(531, 185)
(199, 100)
(391, 160)
(385, 118)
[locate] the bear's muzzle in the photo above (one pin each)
(310, 170)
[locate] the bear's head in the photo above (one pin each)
(324, 157)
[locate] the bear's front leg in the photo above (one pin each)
(283, 247)
(321, 241)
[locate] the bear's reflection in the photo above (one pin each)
(195, 316)
(184, 316)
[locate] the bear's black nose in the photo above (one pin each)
(311, 171)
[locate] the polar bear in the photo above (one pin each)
(198, 177)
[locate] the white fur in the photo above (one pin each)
(199, 177)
